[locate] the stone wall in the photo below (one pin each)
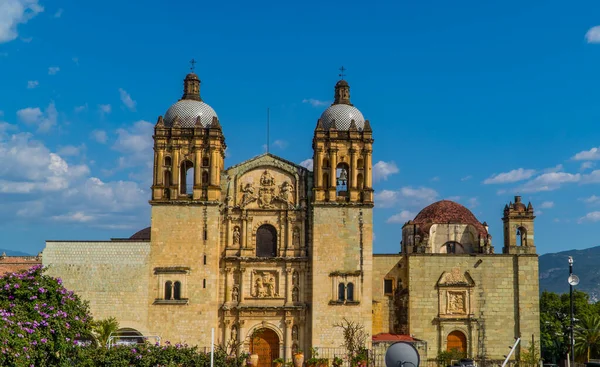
(336, 257)
(182, 236)
(111, 275)
(385, 267)
(501, 300)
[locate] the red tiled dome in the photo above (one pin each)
(446, 211)
(142, 235)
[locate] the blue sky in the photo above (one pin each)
(468, 101)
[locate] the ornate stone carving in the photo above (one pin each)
(248, 194)
(456, 303)
(265, 284)
(235, 294)
(295, 294)
(296, 237)
(236, 235)
(456, 278)
(295, 278)
(286, 193)
(234, 333)
(266, 193)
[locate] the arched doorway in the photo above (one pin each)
(266, 344)
(458, 341)
(127, 336)
(266, 241)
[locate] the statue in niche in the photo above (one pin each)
(296, 237)
(260, 287)
(295, 294)
(295, 332)
(270, 283)
(248, 194)
(235, 293)
(286, 193)
(295, 278)
(234, 335)
(236, 235)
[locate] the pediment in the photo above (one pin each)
(267, 182)
(455, 278)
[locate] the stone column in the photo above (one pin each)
(353, 169)
(228, 285)
(317, 168)
(159, 167)
(175, 172)
(288, 285)
(369, 168)
(197, 167)
(288, 340)
(244, 234)
(242, 288)
(213, 167)
(288, 233)
(226, 331)
(333, 169)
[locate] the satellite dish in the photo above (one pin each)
(402, 354)
(573, 279)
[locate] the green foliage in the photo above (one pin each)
(555, 322)
(41, 322)
(445, 358)
(587, 336)
(103, 329)
(146, 355)
(530, 357)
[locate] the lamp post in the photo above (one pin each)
(573, 281)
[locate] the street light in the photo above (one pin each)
(573, 281)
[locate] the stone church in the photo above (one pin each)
(267, 245)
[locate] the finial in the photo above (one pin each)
(342, 75)
(192, 65)
(353, 126)
(198, 122)
(367, 127)
(160, 122)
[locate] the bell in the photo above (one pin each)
(343, 177)
(518, 232)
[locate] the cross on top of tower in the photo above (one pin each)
(192, 65)
(342, 75)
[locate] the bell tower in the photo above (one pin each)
(341, 251)
(189, 149)
(518, 228)
(342, 153)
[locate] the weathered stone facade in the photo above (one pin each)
(269, 245)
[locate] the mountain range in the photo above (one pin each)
(554, 271)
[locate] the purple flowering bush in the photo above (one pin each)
(41, 322)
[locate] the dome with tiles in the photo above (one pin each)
(190, 107)
(342, 112)
(446, 211)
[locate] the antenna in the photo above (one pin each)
(402, 354)
(268, 117)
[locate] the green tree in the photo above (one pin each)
(104, 328)
(587, 335)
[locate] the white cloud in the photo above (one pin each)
(58, 13)
(590, 217)
(509, 177)
(71, 150)
(81, 108)
(592, 177)
(381, 170)
(472, 203)
(307, 163)
(281, 144)
(591, 200)
(466, 178)
(99, 136)
(401, 217)
(593, 35)
(406, 197)
(73, 217)
(315, 102)
(104, 108)
(32, 84)
(549, 181)
(34, 116)
(136, 145)
(13, 13)
(588, 155)
(586, 165)
(53, 70)
(557, 168)
(127, 100)
(547, 205)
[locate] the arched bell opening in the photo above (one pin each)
(186, 178)
(342, 177)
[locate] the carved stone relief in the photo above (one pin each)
(264, 284)
(456, 302)
(268, 192)
(236, 235)
(235, 294)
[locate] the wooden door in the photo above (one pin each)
(266, 345)
(457, 340)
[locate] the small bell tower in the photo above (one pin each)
(518, 228)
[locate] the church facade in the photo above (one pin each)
(269, 246)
